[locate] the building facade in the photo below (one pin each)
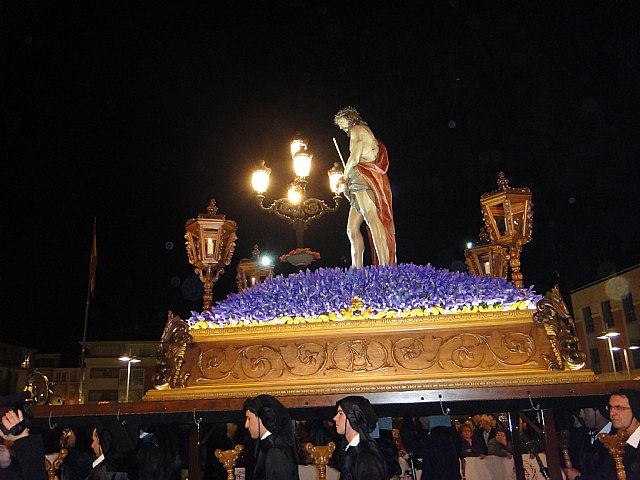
(106, 377)
(15, 361)
(610, 306)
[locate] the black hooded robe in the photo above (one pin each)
(362, 462)
(277, 457)
(275, 460)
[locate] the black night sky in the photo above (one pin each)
(138, 112)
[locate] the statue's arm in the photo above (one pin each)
(356, 146)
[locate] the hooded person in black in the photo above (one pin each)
(361, 458)
(116, 454)
(269, 423)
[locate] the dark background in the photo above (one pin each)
(136, 113)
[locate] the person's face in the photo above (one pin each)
(466, 433)
(485, 424)
(343, 124)
(341, 421)
(253, 424)
(492, 421)
(588, 417)
(621, 414)
(95, 443)
(501, 437)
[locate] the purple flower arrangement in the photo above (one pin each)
(325, 291)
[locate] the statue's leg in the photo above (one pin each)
(379, 234)
(355, 236)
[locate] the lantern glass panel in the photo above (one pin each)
(518, 222)
(484, 259)
(497, 212)
(210, 244)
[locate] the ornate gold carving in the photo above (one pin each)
(228, 459)
(359, 385)
(456, 320)
(359, 355)
(320, 455)
(399, 354)
(368, 355)
(553, 314)
(616, 445)
(53, 461)
(170, 354)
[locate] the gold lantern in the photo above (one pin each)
(486, 258)
(210, 244)
(508, 217)
(254, 270)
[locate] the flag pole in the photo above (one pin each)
(93, 260)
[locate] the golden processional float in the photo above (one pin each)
(377, 329)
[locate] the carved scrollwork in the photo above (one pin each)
(553, 314)
(359, 355)
(464, 351)
(416, 353)
(170, 354)
(261, 362)
(460, 352)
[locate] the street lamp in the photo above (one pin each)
(129, 359)
(625, 353)
(608, 336)
(298, 210)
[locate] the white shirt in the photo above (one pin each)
(265, 435)
(606, 429)
(356, 440)
(98, 460)
(634, 439)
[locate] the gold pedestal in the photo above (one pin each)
(482, 349)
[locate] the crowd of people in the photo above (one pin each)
(367, 447)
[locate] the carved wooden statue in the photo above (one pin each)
(615, 444)
(320, 454)
(228, 459)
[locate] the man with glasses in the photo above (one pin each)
(624, 411)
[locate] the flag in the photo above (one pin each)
(93, 263)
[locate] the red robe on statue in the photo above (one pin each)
(376, 175)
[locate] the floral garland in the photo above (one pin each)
(297, 251)
(399, 291)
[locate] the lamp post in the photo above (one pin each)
(625, 354)
(129, 359)
(298, 210)
(508, 217)
(211, 240)
(254, 270)
(608, 336)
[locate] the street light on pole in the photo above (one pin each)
(625, 353)
(608, 336)
(129, 359)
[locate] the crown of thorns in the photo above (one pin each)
(350, 114)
